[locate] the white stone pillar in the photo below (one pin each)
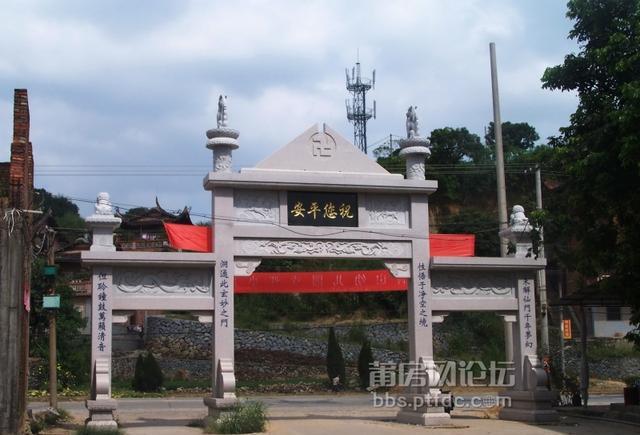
(419, 300)
(222, 141)
(100, 404)
(530, 398)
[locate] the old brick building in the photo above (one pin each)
(16, 194)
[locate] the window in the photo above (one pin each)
(613, 313)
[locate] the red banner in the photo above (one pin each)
(452, 245)
(200, 239)
(189, 237)
(361, 281)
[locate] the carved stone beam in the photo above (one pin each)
(246, 266)
(399, 269)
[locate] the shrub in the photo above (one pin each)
(246, 417)
(365, 359)
(335, 360)
(147, 375)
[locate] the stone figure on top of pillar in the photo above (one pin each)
(103, 204)
(412, 122)
(222, 112)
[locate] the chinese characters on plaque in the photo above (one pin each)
(223, 295)
(423, 313)
(526, 314)
(322, 209)
(102, 287)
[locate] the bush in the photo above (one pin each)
(335, 361)
(246, 417)
(365, 359)
(148, 375)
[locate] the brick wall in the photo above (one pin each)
(21, 165)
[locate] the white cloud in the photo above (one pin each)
(119, 82)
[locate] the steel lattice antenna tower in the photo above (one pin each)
(357, 111)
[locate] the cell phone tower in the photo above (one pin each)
(357, 111)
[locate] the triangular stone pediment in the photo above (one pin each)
(321, 150)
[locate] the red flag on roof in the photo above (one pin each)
(189, 237)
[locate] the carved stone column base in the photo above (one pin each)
(218, 406)
(101, 413)
(431, 409)
(431, 416)
(529, 406)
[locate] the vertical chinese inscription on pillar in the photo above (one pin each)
(103, 300)
(423, 312)
(527, 316)
(223, 295)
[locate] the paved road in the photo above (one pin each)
(299, 402)
(334, 414)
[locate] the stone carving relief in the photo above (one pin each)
(307, 248)
(255, 205)
(323, 144)
(387, 210)
(399, 269)
(222, 161)
(490, 284)
(164, 282)
(416, 171)
(246, 266)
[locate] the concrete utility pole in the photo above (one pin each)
(497, 132)
(502, 192)
(542, 278)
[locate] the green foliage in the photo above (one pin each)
(64, 212)
(632, 381)
(147, 375)
(246, 417)
(474, 336)
(365, 360)
(73, 348)
(335, 360)
(600, 149)
(454, 145)
(480, 223)
(517, 137)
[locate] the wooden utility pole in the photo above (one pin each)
(53, 353)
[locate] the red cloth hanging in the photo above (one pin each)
(189, 237)
(452, 245)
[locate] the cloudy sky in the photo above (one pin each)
(130, 87)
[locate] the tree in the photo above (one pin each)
(365, 360)
(517, 137)
(335, 361)
(73, 348)
(147, 375)
(453, 145)
(600, 149)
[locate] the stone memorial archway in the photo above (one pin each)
(316, 197)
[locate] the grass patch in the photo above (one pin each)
(598, 350)
(246, 417)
